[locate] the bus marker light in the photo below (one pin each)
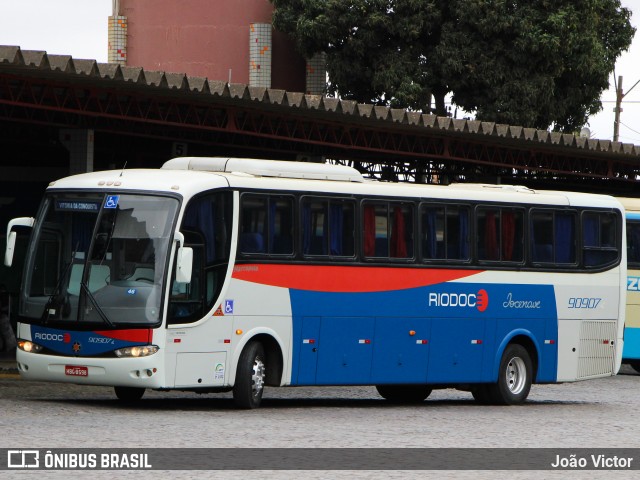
(308, 340)
(549, 342)
(605, 342)
(422, 342)
(365, 341)
(177, 340)
(476, 342)
(227, 340)
(412, 332)
(238, 332)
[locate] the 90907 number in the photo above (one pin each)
(584, 302)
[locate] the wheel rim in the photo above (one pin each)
(257, 377)
(516, 375)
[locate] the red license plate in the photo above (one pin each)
(76, 371)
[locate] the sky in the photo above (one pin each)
(79, 28)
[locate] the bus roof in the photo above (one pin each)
(630, 204)
(189, 176)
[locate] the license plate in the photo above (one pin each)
(76, 371)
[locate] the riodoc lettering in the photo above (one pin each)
(479, 300)
(452, 299)
(53, 337)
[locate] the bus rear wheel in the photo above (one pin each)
(514, 378)
(129, 394)
(404, 393)
(250, 376)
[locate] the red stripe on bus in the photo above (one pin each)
(136, 335)
(346, 279)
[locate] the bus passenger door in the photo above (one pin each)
(308, 351)
(401, 350)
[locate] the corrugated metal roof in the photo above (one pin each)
(39, 63)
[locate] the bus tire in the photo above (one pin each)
(404, 393)
(514, 377)
(250, 376)
(129, 394)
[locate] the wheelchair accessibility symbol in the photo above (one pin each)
(228, 307)
(112, 201)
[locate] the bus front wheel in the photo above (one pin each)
(404, 393)
(129, 394)
(514, 378)
(250, 376)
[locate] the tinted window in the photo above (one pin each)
(500, 234)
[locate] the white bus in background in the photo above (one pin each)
(631, 352)
(216, 274)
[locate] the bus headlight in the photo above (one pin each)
(30, 347)
(138, 351)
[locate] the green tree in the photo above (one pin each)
(535, 63)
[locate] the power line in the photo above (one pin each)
(618, 108)
(627, 126)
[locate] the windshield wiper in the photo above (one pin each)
(91, 298)
(57, 298)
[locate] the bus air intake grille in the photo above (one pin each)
(597, 349)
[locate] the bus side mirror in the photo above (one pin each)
(184, 260)
(184, 265)
(11, 237)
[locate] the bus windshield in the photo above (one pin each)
(98, 260)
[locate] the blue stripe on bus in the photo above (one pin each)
(632, 216)
(631, 350)
(436, 334)
(87, 343)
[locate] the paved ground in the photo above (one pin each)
(594, 414)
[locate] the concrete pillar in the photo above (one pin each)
(117, 52)
(316, 74)
(80, 144)
(260, 55)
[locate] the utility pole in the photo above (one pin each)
(617, 109)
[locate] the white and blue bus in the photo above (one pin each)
(631, 351)
(216, 274)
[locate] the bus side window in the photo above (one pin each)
(633, 243)
(388, 230)
(266, 224)
(445, 232)
(327, 227)
(553, 237)
(599, 236)
(500, 234)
